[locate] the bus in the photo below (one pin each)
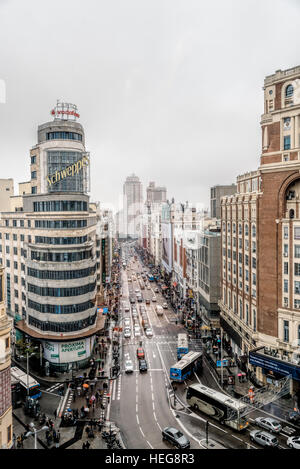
(182, 345)
(150, 278)
(33, 385)
(183, 369)
(217, 405)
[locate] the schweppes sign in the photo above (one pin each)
(71, 170)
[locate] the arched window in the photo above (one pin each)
(292, 213)
(289, 91)
(253, 231)
(246, 230)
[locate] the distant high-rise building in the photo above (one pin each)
(132, 205)
(216, 193)
(155, 194)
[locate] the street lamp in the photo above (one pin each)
(34, 432)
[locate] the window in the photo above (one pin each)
(254, 279)
(29, 224)
(286, 331)
(7, 249)
(286, 232)
(253, 262)
(286, 268)
(287, 142)
(254, 320)
(296, 269)
(14, 237)
(297, 288)
(286, 302)
(33, 189)
(297, 250)
(15, 251)
(33, 159)
(14, 223)
(233, 228)
(7, 263)
(7, 343)
(240, 243)
(33, 174)
(240, 229)
(247, 314)
(241, 309)
(292, 214)
(286, 250)
(6, 235)
(246, 260)
(253, 231)
(247, 275)
(254, 247)
(22, 237)
(299, 335)
(289, 91)
(246, 230)
(16, 294)
(6, 222)
(9, 434)
(286, 286)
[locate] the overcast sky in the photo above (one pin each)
(168, 89)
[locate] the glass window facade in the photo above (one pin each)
(61, 292)
(60, 256)
(60, 309)
(60, 206)
(59, 161)
(60, 224)
(60, 275)
(63, 136)
(66, 240)
(62, 326)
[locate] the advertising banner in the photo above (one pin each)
(67, 352)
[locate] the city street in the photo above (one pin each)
(141, 403)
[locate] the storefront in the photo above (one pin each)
(64, 355)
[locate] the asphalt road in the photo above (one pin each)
(140, 403)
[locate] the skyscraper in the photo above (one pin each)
(132, 205)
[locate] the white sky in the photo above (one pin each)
(168, 89)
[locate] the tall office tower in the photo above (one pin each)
(51, 246)
(261, 243)
(6, 433)
(155, 194)
(132, 206)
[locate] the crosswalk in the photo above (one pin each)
(55, 387)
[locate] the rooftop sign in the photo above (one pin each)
(65, 111)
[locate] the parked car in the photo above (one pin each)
(143, 366)
(140, 353)
(149, 332)
(293, 442)
(127, 333)
(128, 366)
(269, 423)
(147, 301)
(264, 438)
(175, 437)
(165, 305)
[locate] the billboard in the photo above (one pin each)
(166, 233)
(275, 365)
(67, 352)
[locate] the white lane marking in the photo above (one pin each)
(114, 390)
(149, 444)
(137, 418)
(142, 431)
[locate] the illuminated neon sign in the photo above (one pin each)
(71, 170)
(65, 111)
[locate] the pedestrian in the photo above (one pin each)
(87, 445)
(58, 435)
(83, 446)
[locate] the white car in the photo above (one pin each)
(137, 332)
(127, 308)
(137, 291)
(126, 323)
(148, 287)
(128, 366)
(269, 423)
(149, 332)
(154, 298)
(293, 442)
(127, 333)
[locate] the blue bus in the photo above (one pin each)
(183, 369)
(26, 383)
(150, 278)
(182, 345)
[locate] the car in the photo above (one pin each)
(165, 305)
(128, 366)
(293, 442)
(139, 298)
(294, 417)
(137, 332)
(269, 423)
(126, 323)
(143, 366)
(132, 300)
(175, 437)
(149, 332)
(154, 299)
(156, 290)
(134, 310)
(140, 353)
(126, 309)
(142, 309)
(148, 287)
(127, 333)
(137, 291)
(134, 315)
(147, 301)
(129, 279)
(264, 438)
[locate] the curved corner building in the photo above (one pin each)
(52, 229)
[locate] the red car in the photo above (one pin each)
(140, 353)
